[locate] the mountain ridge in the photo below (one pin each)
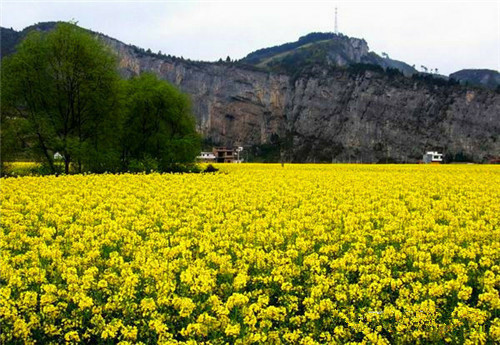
(478, 77)
(325, 49)
(328, 113)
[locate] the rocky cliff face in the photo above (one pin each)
(332, 115)
(370, 117)
(329, 114)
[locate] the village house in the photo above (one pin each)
(206, 157)
(221, 155)
(433, 157)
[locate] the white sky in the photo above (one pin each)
(448, 35)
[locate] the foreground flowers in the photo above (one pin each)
(302, 255)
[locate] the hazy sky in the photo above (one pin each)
(448, 35)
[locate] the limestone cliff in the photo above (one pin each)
(332, 114)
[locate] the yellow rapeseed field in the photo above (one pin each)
(255, 254)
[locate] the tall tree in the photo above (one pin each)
(64, 87)
(159, 124)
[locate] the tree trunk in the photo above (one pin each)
(46, 153)
(66, 164)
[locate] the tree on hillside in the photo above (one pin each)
(62, 90)
(159, 129)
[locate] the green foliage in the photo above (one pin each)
(261, 54)
(147, 163)
(277, 149)
(457, 157)
(61, 93)
(299, 61)
(13, 139)
(158, 124)
(361, 68)
(393, 72)
(29, 169)
(9, 38)
(431, 80)
(182, 168)
(63, 87)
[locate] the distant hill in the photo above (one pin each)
(9, 38)
(324, 49)
(478, 77)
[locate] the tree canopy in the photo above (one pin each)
(62, 93)
(158, 123)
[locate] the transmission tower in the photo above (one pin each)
(336, 26)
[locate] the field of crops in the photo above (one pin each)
(256, 254)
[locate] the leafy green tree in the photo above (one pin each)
(63, 88)
(159, 126)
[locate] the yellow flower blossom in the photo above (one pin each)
(232, 330)
(255, 254)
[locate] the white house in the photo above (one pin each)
(58, 156)
(221, 155)
(432, 157)
(206, 157)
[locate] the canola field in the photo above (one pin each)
(254, 254)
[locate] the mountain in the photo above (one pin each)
(326, 49)
(326, 112)
(478, 77)
(8, 40)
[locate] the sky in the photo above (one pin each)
(448, 35)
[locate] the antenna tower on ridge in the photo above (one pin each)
(336, 26)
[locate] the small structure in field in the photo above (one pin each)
(206, 157)
(433, 157)
(58, 156)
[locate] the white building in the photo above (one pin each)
(221, 155)
(206, 157)
(432, 157)
(58, 156)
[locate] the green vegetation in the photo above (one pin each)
(432, 80)
(320, 49)
(484, 78)
(61, 93)
(159, 128)
(261, 54)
